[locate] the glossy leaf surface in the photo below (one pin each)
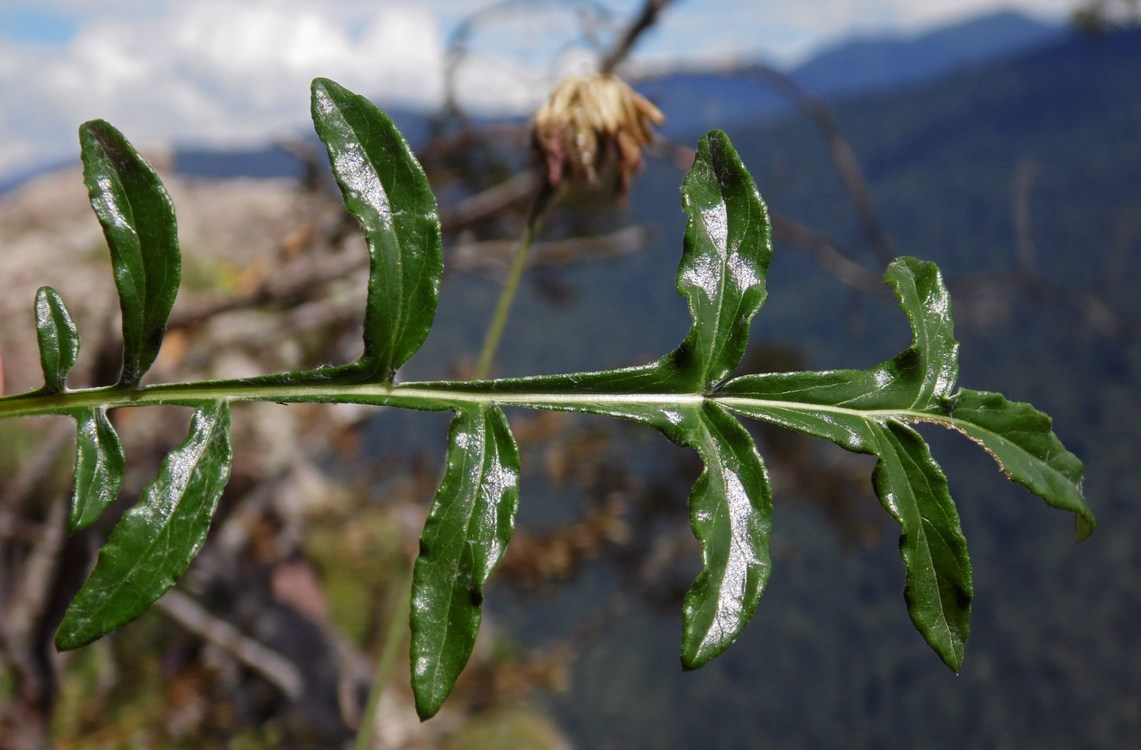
(1020, 439)
(913, 490)
(58, 338)
(920, 380)
(916, 386)
(722, 277)
(728, 246)
(862, 410)
(154, 542)
(724, 264)
(468, 527)
(730, 510)
(99, 466)
(385, 188)
(138, 222)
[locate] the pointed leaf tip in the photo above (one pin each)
(469, 525)
(731, 515)
(1022, 441)
(913, 490)
(138, 223)
(155, 541)
(728, 246)
(385, 188)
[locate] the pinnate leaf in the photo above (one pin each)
(58, 338)
(138, 222)
(723, 279)
(99, 466)
(725, 260)
(386, 189)
(722, 276)
(864, 411)
(154, 542)
(468, 527)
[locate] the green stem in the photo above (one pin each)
(561, 393)
(392, 640)
(507, 296)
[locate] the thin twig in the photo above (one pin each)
(645, 19)
(842, 154)
(827, 255)
(485, 203)
(280, 671)
(392, 640)
(492, 257)
(1026, 253)
(507, 296)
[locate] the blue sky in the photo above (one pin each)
(222, 72)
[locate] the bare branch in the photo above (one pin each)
(495, 256)
(258, 657)
(511, 192)
(842, 154)
(829, 257)
(645, 19)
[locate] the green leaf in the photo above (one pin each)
(913, 490)
(728, 245)
(154, 542)
(386, 189)
(99, 466)
(722, 276)
(725, 261)
(917, 386)
(909, 483)
(926, 371)
(921, 379)
(862, 410)
(1020, 439)
(58, 338)
(468, 527)
(730, 510)
(138, 222)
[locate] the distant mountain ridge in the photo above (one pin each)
(879, 63)
(696, 101)
(699, 100)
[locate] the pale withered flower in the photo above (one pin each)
(590, 123)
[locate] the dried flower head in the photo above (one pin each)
(588, 124)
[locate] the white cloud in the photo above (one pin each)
(227, 72)
(212, 72)
(230, 73)
(514, 55)
(789, 31)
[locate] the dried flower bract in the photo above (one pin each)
(588, 124)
